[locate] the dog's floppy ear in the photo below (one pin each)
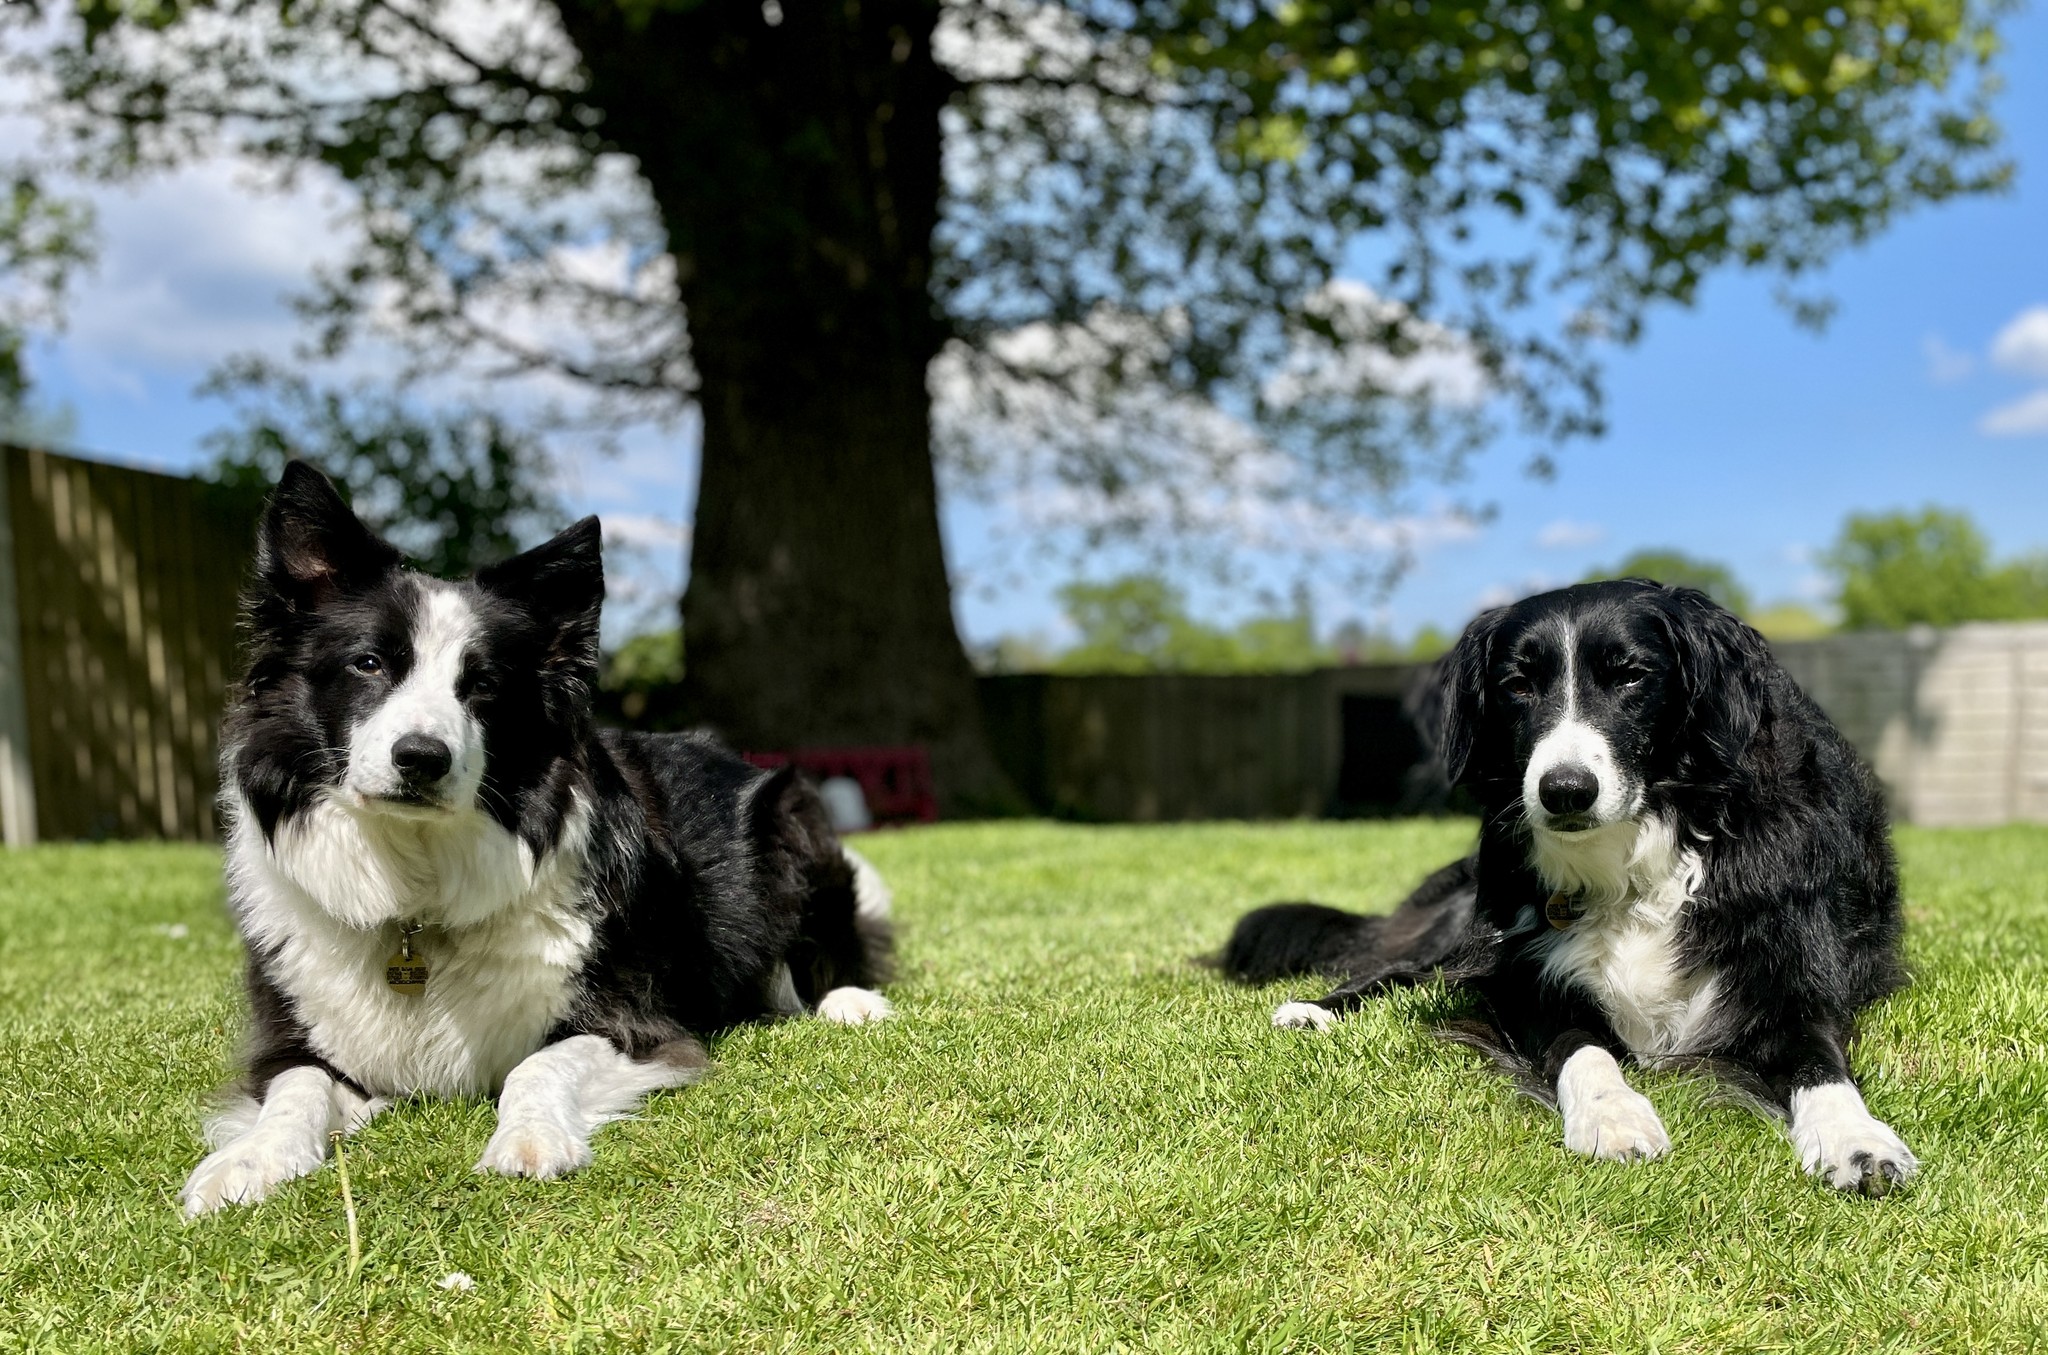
(310, 546)
(1461, 678)
(1721, 662)
(562, 580)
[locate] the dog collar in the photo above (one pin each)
(1563, 909)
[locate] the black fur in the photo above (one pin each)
(1798, 910)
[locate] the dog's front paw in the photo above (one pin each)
(247, 1170)
(1840, 1141)
(535, 1148)
(1616, 1125)
(1303, 1016)
(854, 1007)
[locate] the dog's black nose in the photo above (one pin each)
(421, 759)
(1569, 789)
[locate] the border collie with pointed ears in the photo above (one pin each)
(449, 883)
(1681, 862)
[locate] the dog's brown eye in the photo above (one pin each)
(369, 665)
(481, 687)
(1518, 687)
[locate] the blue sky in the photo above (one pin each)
(1733, 433)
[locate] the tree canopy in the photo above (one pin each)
(1140, 623)
(1168, 265)
(1143, 204)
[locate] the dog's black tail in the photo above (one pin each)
(1283, 940)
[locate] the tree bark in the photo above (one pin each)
(796, 165)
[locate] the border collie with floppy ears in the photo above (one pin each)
(1681, 861)
(449, 883)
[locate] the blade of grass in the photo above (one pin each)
(348, 1205)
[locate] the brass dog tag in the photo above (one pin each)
(1561, 911)
(406, 972)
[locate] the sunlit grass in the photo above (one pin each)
(1072, 1140)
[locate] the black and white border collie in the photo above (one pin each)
(1681, 861)
(450, 884)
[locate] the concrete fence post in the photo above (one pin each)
(17, 779)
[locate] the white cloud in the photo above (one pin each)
(646, 531)
(2023, 417)
(1565, 534)
(1945, 365)
(2022, 346)
(194, 267)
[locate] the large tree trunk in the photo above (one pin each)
(796, 165)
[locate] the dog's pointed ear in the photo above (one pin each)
(563, 580)
(311, 546)
(1461, 686)
(1722, 662)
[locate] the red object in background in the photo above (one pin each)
(897, 782)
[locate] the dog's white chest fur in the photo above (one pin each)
(1634, 880)
(503, 939)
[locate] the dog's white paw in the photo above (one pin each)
(854, 1007)
(1840, 1141)
(247, 1170)
(1617, 1125)
(1303, 1016)
(536, 1148)
(1604, 1117)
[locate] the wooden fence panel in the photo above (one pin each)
(125, 591)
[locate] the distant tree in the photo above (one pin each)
(1933, 568)
(645, 663)
(1711, 577)
(1139, 623)
(1015, 654)
(1789, 621)
(1355, 642)
(453, 488)
(1429, 643)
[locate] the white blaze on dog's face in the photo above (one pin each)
(1575, 697)
(1573, 780)
(420, 743)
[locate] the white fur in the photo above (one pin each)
(556, 1099)
(1573, 742)
(1303, 1016)
(1832, 1129)
(259, 1148)
(504, 940)
(872, 897)
(1603, 1116)
(1634, 881)
(428, 701)
(854, 1007)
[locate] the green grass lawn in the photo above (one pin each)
(1072, 1139)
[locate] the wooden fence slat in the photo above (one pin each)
(127, 596)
